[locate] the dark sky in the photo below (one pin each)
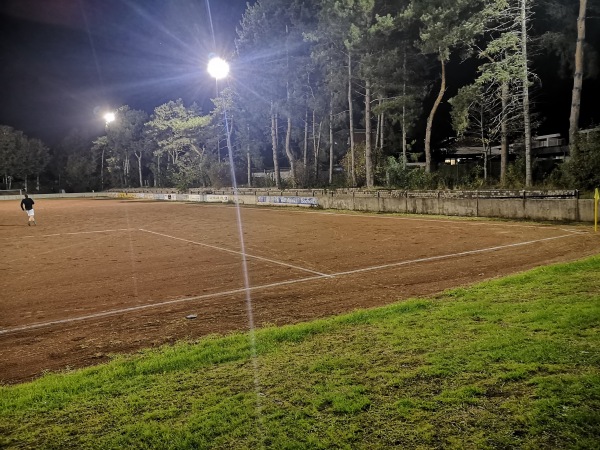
(63, 63)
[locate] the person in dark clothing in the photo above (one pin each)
(27, 206)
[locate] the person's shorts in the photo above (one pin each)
(30, 212)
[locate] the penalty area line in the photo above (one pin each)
(246, 255)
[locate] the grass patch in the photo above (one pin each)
(511, 363)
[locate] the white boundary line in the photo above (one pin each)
(575, 231)
(460, 220)
(451, 255)
(271, 285)
(222, 249)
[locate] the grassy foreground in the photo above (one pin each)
(512, 363)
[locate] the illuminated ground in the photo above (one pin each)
(98, 277)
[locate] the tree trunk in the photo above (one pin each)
(316, 142)
(274, 147)
(288, 134)
(351, 121)
(578, 76)
(305, 147)
(504, 134)
(288, 151)
(249, 159)
(525, 81)
(368, 149)
(381, 127)
(331, 140)
(437, 102)
(404, 149)
(139, 158)
(157, 176)
(483, 143)
(378, 127)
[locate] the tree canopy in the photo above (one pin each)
(343, 93)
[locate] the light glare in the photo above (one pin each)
(109, 117)
(218, 68)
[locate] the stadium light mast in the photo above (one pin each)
(218, 68)
(108, 118)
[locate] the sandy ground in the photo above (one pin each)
(99, 277)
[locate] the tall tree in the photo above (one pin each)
(77, 177)
(500, 92)
(564, 37)
(444, 26)
(273, 65)
(40, 156)
(578, 74)
(8, 154)
(524, 19)
(173, 128)
(124, 139)
(342, 42)
(21, 157)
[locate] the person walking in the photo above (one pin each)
(27, 206)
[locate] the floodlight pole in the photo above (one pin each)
(219, 68)
(108, 117)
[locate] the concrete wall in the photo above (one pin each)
(501, 204)
(65, 195)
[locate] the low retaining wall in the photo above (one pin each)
(63, 195)
(551, 209)
(561, 206)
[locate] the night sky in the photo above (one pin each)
(64, 63)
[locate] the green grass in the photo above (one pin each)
(512, 363)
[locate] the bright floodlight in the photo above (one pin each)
(218, 68)
(109, 117)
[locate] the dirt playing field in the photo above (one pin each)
(99, 277)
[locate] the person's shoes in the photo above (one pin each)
(34, 222)
(28, 224)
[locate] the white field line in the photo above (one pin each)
(223, 249)
(267, 286)
(575, 231)
(73, 233)
(457, 222)
(477, 221)
(154, 305)
(451, 255)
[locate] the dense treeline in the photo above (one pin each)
(349, 93)
(21, 158)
